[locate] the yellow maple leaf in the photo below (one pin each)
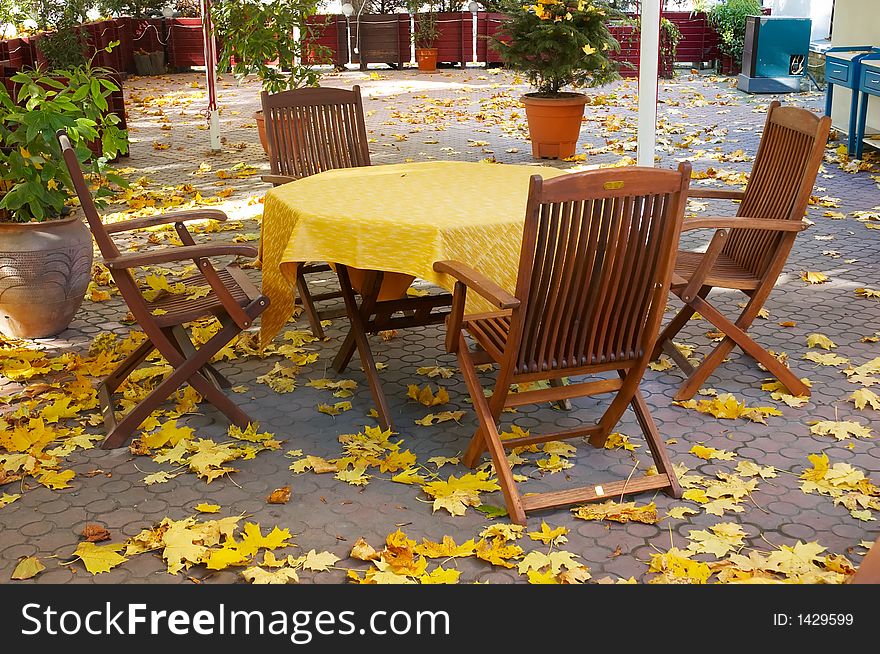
(752, 469)
(550, 536)
(204, 507)
(168, 434)
(447, 548)
(676, 566)
(867, 292)
(616, 440)
(498, 552)
(827, 359)
(441, 575)
(6, 499)
(363, 551)
(820, 340)
(28, 568)
(257, 575)
(455, 494)
(434, 418)
(56, 480)
(841, 429)
(618, 512)
(426, 396)
(865, 397)
(709, 453)
(99, 558)
(319, 561)
(814, 277)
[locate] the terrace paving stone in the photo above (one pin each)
(700, 116)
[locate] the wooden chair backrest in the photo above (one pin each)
(595, 267)
(780, 185)
(311, 130)
(125, 280)
(102, 238)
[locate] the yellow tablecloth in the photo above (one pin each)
(398, 218)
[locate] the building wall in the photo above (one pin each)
(819, 11)
(856, 22)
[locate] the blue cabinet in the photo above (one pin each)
(869, 84)
(843, 67)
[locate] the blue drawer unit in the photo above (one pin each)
(843, 67)
(869, 84)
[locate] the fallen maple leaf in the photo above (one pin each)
(94, 533)
(814, 277)
(820, 340)
(99, 558)
(28, 568)
(279, 496)
(709, 453)
(618, 512)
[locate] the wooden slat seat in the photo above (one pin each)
(594, 272)
(490, 331)
(725, 272)
(178, 308)
(748, 252)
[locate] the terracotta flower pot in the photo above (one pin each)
(261, 130)
(427, 59)
(554, 124)
(45, 270)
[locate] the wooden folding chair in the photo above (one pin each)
(747, 252)
(310, 130)
(232, 299)
(594, 273)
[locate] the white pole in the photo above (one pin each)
(648, 72)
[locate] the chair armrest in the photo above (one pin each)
(715, 193)
(478, 282)
(277, 180)
(165, 219)
(167, 255)
(744, 222)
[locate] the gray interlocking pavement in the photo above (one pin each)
(473, 115)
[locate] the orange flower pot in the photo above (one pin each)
(427, 59)
(554, 124)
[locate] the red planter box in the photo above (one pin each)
(488, 24)
(328, 33)
(380, 39)
(186, 46)
(454, 43)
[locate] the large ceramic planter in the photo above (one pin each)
(261, 130)
(44, 273)
(554, 124)
(427, 59)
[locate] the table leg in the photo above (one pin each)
(860, 129)
(372, 284)
(853, 115)
(829, 94)
(357, 337)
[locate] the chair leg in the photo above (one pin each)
(477, 445)
(676, 324)
(308, 304)
(115, 378)
(735, 334)
(186, 369)
(187, 349)
(356, 316)
(489, 437)
(655, 443)
(564, 405)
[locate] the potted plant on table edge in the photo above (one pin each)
(557, 44)
(425, 35)
(45, 250)
(257, 38)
